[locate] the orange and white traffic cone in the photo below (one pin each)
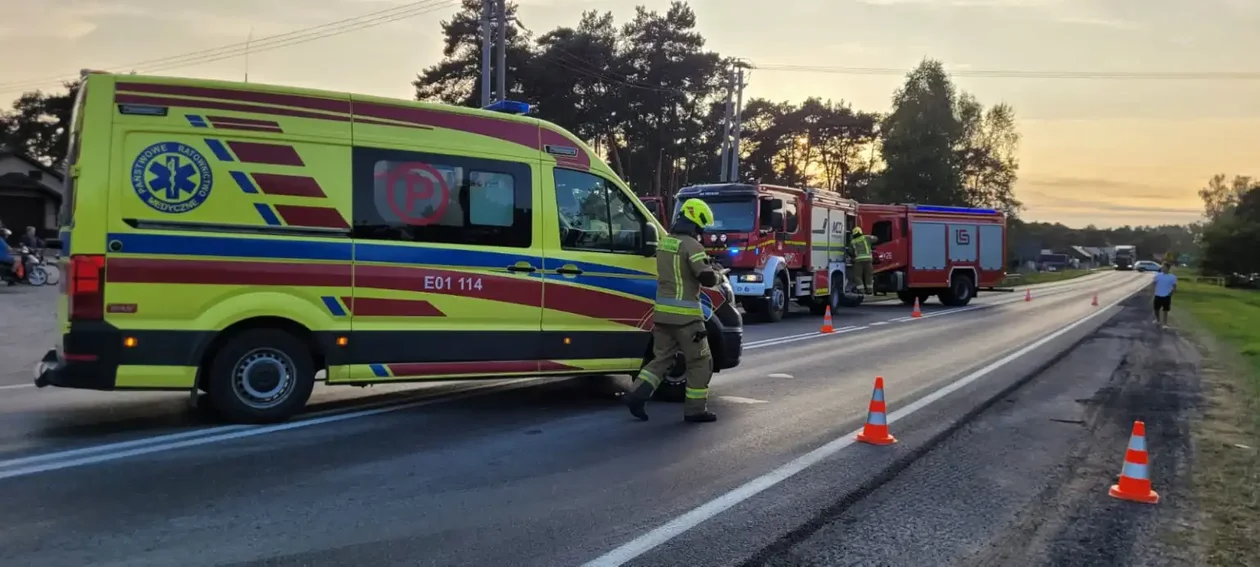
(875, 431)
(1095, 301)
(1135, 477)
(1028, 295)
(916, 313)
(826, 326)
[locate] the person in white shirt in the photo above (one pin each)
(1165, 285)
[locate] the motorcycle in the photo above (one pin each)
(28, 266)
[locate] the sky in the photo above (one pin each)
(1105, 152)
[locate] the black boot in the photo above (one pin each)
(636, 400)
(702, 417)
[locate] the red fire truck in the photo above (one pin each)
(781, 244)
(949, 252)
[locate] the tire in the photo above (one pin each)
(961, 291)
(36, 276)
(777, 303)
(908, 297)
(54, 275)
(260, 352)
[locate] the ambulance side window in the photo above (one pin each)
(432, 198)
(596, 215)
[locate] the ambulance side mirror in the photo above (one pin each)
(651, 238)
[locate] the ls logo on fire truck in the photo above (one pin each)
(961, 236)
(837, 227)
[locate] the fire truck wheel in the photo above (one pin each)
(907, 297)
(777, 303)
(961, 290)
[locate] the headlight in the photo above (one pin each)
(750, 278)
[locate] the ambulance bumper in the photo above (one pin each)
(55, 370)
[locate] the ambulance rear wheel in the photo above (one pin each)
(261, 376)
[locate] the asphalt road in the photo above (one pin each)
(529, 472)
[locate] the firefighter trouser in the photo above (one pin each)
(668, 341)
(863, 275)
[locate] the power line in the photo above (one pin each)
(296, 37)
(1015, 74)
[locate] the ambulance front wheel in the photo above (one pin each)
(260, 376)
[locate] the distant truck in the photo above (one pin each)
(781, 244)
(1126, 255)
(949, 252)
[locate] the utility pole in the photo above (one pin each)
(726, 131)
(502, 62)
(739, 123)
(486, 42)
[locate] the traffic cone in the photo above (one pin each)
(1135, 477)
(916, 313)
(1028, 295)
(826, 326)
(875, 431)
(1095, 301)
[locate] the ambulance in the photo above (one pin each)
(236, 239)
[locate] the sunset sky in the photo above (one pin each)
(1109, 152)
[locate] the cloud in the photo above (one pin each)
(1093, 184)
(1071, 12)
(1061, 203)
(65, 21)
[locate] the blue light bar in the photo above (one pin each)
(967, 210)
(509, 107)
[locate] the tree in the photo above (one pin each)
(919, 138)
(457, 78)
(39, 125)
(1219, 197)
(1232, 234)
(987, 154)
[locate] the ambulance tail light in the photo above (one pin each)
(87, 287)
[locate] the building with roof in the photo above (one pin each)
(30, 194)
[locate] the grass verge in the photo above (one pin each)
(1225, 324)
(1046, 277)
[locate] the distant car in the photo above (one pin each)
(1146, 266)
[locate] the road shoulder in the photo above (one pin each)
(1026, 482)
(1224, 325)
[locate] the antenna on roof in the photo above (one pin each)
(248, 40)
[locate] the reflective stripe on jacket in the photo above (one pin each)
(680, 259)
(861, 248)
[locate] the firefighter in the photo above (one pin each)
(677, 319)
(863, 268)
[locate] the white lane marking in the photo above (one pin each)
(739, 400)
(208, 431)
(114, 451)
(780, 375)
(243, 431)
(878, 323)
(777, 342)
(646, 542)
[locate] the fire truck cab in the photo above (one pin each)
(780, 243)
